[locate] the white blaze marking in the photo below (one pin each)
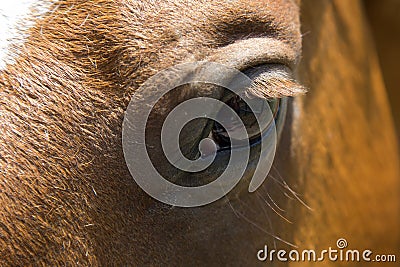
(15, 17)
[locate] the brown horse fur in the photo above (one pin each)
(66, 195)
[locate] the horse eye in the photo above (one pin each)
(254, 131)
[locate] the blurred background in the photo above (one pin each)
(384, 18)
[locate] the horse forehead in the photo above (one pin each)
(18, 15)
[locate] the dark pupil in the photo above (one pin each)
(248, 118)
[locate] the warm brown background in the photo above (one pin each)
(384, 17)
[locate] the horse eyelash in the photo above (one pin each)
(275, 84)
